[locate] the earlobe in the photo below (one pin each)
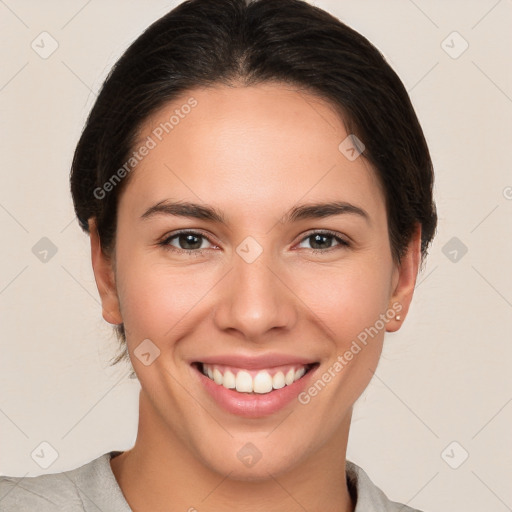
(104, 277)
(407, 273)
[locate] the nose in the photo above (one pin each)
(255, 299)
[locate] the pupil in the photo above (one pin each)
(188, 241)
(317, 237)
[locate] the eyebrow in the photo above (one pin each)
(301, 212)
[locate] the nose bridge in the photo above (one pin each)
(254, 299)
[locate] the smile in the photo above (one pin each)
(253, 387)
(252, 381)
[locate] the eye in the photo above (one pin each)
(188, 242)
(191, 242)
(321, 241)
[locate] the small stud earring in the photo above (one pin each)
(398, 317)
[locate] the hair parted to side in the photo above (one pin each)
(203, 43)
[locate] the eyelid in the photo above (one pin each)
(320, 231)
(342, 240)
(191, 231)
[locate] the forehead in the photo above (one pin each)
(267, 146)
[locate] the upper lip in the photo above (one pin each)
(256, 362)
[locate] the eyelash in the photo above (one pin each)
(200, 252)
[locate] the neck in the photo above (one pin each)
(160, 471)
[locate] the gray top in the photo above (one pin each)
(93, 487)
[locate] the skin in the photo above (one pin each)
(253, 153)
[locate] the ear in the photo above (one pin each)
(404, 280)
(105, 278)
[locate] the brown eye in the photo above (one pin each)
(185, 242)
(322, 241)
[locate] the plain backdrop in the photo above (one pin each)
(433, 429)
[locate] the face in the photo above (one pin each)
(248, 283)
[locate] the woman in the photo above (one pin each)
(258, 194)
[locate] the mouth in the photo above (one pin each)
(252, 381)
(253, 388)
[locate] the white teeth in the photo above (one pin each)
(299, 373)
(262, 382)
(229, 380)
(217, 376)
(278, 380)
(289, 376)
(244, 382)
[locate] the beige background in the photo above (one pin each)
(444, 377)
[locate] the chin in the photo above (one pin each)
(251, 461)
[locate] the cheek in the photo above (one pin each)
(155, 298)
(346, 299)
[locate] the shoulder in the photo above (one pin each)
(74, 490)
(369, 498)
(42, 493)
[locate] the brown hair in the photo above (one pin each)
(202, 43)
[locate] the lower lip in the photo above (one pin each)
(254, 405)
